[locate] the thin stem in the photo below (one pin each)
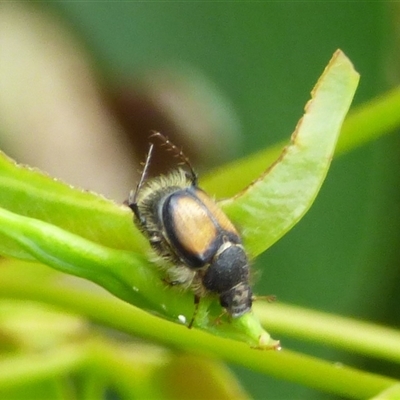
(26, 368)
(115, 313)
(337, 331)
(363, 125)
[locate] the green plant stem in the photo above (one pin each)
(117, 314)
(27, 368)
(129, 368)
(94, 385)
(344, 333)
(363, 125)
(370, 121)
(113, 362)
(393, 393)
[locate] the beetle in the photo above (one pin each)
(197, 244)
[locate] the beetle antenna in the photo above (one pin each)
(132, 201)
(178, 153)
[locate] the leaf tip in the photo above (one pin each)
(265, 342)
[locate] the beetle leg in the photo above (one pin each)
(269, 298)
(196, 309)
(218, 321)
(171, 283)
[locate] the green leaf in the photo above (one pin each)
(276, 201)
(29, 192)
(125, 274)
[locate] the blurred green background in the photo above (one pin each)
(263, 58)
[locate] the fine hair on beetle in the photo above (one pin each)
(198, 246)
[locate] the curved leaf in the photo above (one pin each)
(29, 192)
(271, 205)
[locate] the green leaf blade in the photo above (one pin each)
(29, 192)
(275, 202)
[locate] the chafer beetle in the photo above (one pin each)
(197, 243)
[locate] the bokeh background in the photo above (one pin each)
(82, 83)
